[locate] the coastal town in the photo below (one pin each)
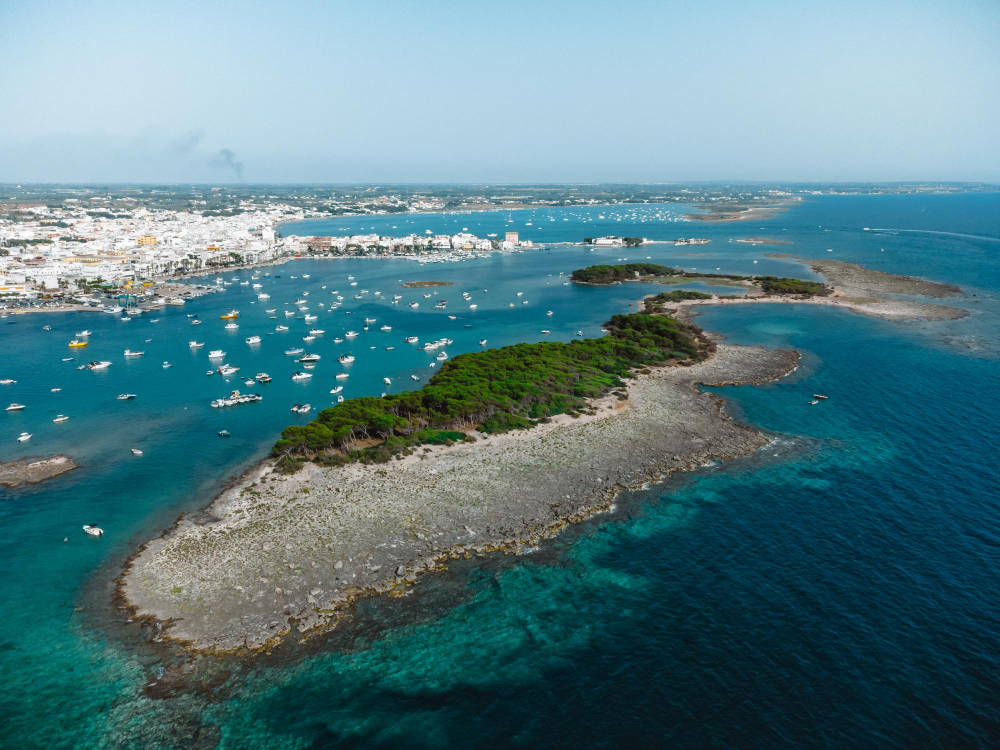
(52, 256)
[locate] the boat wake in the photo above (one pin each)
(933, 231)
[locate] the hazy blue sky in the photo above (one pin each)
(494, 91)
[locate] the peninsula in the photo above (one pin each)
(375, 492)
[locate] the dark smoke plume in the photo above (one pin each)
(228, 158)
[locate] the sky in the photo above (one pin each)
(499, 91)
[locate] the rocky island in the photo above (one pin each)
(32, 471)
(850, 286)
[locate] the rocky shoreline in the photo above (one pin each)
(32, 471)
(288, 553)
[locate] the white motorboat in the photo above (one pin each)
(345, 359)
(166, 365)
(309, 358)
(387, 381)
(342, 376)
(130, 353)
(7, 381)
(253, 339)
(441, 356)
(386, 328)
(263, 377)
(316, 331)
(294, 351)
(136, 452)
(411, 339)
(196, 344)
(93, 529)
(232, 326)
(281, 328)
(301, 375)
(216, 354)
(83, 333)
(350, 334)
(482, 342)
(24, 437)
(125, 396)
(236, 398)
(60, 418)
(336, 390)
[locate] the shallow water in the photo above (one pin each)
(835, 590)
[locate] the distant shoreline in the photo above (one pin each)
(721, 214)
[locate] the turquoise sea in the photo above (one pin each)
(836, 590)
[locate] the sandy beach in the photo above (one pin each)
(276, 554)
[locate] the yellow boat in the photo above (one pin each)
(230, 315)
(77, 342)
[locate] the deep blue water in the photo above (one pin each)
(836, 590)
